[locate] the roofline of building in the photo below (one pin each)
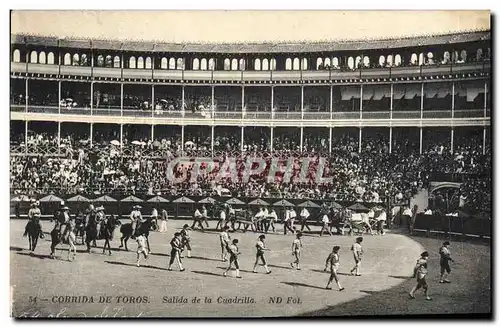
(254, 47)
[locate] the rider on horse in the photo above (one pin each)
(135, 218)
(34, 217)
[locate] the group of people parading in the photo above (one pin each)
(182, 239)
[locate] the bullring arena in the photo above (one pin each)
(392, 132)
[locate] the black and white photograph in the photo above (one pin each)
(250, 164)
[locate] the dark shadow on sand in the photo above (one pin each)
(242, 270)
(328, 272)
(281, 267)
(207, 273)
(203, 258)
(134, 265)
(160, 254)
(34, 255)
(401, 277)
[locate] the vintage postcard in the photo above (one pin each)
(245, 164)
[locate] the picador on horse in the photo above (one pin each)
(34, 215)
(136, 219)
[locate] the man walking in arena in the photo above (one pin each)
(304, 215)
(222, 219)
(287, 221)
(334, 261)
(204, 215)
(186, 239)
(272, 217)
(163, 221)
(293, 215)
(175, 253)
(326, 225)
(261, 247)
(141, 248)
(296, 247)
(420, 272)
(444, 262)
(197, 217)
(234, 252)
(224, 242)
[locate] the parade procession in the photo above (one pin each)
(346, 175)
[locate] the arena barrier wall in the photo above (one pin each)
(123, 209)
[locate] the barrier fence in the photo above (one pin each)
(476, 226)
(175, 206)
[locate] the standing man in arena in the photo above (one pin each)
(141, 248)
(100, 218)
(304, 215)
(204, 214)
(197, 217)
(175, 253)
(272, 217)
(293, 215)
(381, 218)
(444, 262)
(264, 219)
(287, 221)
(357, 252)
(163, 221)
(407, 215)
(296, 247)
(222, 219)
(232, 216)
(326, 225)
(259, 218)
(261, 247)
(224, 242)
(154, 217)
(234, 252)
(334, 261)
(420, 271)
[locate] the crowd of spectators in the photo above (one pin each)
(370, 176)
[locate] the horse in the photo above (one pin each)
(55, 235)
(105, 233)
(33, 231)
(144, 228)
